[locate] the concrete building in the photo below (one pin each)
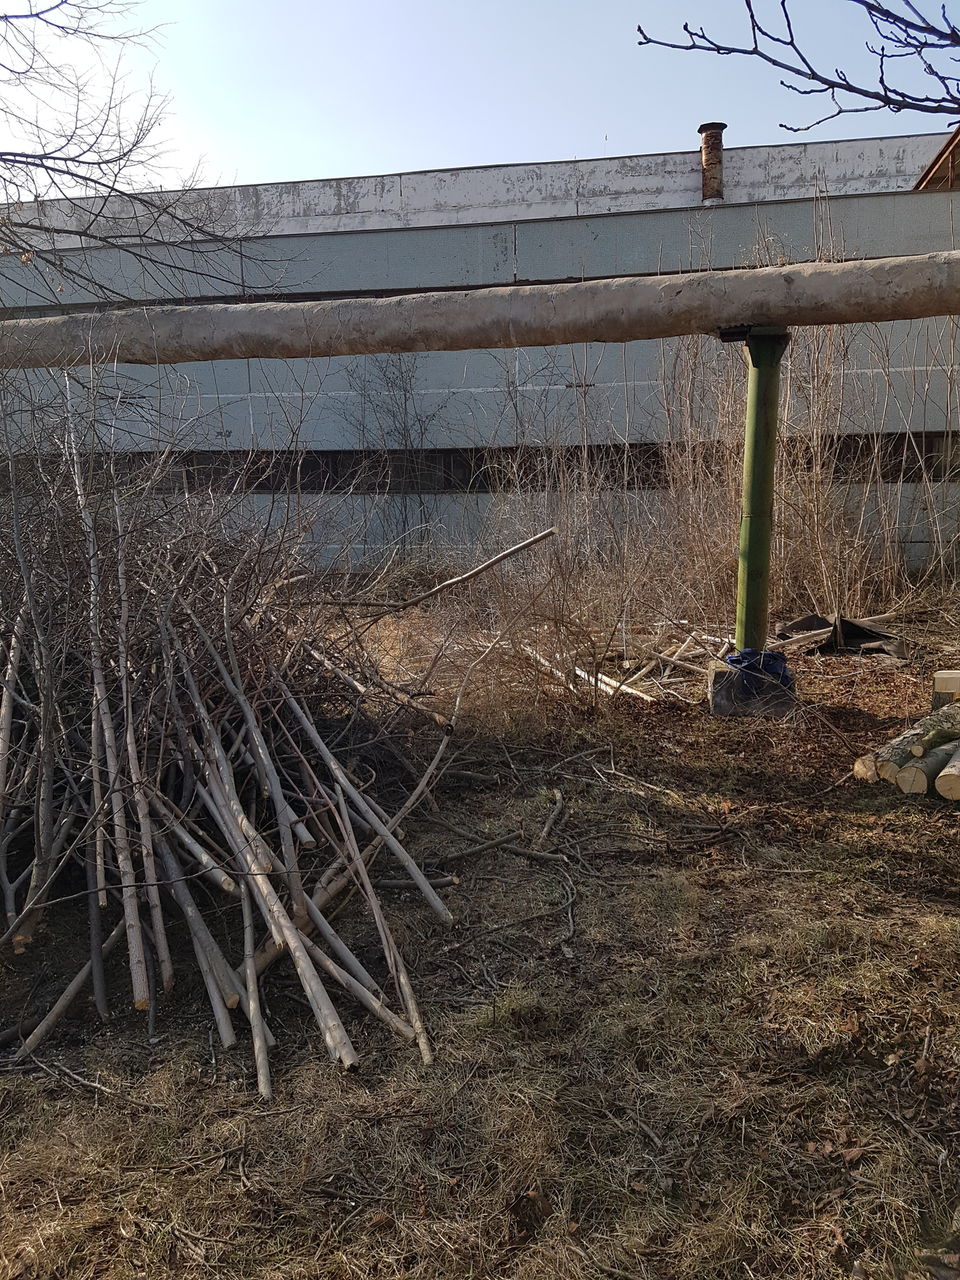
(413, 446)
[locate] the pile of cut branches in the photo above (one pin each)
(175, 725)
(642, 663)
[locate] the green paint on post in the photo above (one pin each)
(764, 349)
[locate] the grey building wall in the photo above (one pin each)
(468, 228)
(508, 193)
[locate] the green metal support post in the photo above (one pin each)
(764, 350)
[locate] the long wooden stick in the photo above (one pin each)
(394, 959)
(163, 808)
(96, 943)
(359, 801)
(260, 1050)
(96, 783)
(6, 703)
(340, 948)
(140, 804)
(472, 573)
(223, 974)
(101, 708)
(221, 1014)
(264, 761)
(250, 849)
(360, 993)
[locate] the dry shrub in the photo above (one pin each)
(862, 525)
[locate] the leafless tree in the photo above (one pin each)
(66, 119)
(79, 162)
(915, 49)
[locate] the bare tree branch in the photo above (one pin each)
(79, 153)
(909, 46)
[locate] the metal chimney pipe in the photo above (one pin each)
(711, 160)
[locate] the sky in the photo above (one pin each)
(299, 89)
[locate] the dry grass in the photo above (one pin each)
(720, 1041)
(734, 1053)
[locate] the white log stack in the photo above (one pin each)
(924, 758)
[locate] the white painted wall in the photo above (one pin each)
(581, 187)
(502, 193)
(241, 405)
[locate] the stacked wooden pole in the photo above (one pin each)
(177, 750)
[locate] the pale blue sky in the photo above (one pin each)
(299, 89)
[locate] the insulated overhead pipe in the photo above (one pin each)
(617, 310)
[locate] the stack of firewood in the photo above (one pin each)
(924, 758)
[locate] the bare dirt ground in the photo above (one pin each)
(721, 1040)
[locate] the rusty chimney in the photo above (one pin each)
(711, 161)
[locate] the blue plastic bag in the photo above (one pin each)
(761, 667)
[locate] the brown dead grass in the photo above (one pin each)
(734, 1053)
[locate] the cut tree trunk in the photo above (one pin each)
(917, 777)
(865, 769)
(948, 779)
(935, 738)
(889, 759)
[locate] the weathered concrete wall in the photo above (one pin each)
(582, 188)
(521, 192)
(489, 254)
(500, 225)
